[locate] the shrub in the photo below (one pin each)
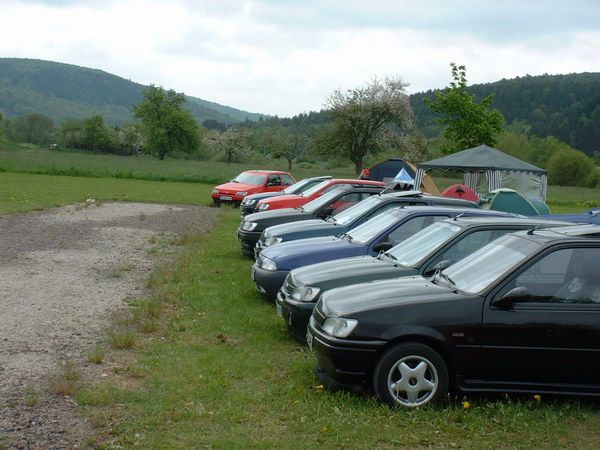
(570, 168)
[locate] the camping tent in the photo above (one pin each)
(510, 201)
(460, 191)
(502, 171)
(390, 169)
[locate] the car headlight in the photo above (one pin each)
(215, 191)
(249, 201)
(241, 194)
(248, 226)
(263, 206)
(338, 326)
(272, 240)
(267, 264)
(305, 293)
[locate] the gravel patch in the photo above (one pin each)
(64, 273)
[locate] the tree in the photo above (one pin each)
(569, 167)
(34, 128)
(95, 134)
(282, 142)
(167, 126)
(366, 120)
(233, 143)
(468, 123)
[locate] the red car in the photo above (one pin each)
(251, 182)
(294, 201)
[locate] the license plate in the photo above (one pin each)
(309, 339)
(278, 310)
(226, 197)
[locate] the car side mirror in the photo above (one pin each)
(326, 212)
(382, 247)
(513, 296)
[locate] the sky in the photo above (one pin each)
(286, 57)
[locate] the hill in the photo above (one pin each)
(65, 91)
(564, 106)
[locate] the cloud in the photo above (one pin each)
(284, 57)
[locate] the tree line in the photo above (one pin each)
(358, 126)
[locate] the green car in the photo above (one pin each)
(440, 244)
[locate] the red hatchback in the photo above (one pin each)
(251, 182)
(294, 201)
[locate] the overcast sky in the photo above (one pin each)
(285, 57)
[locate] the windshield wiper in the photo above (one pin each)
(450, 281)
(346, 236)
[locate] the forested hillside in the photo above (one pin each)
(564, 106)
(64, 91)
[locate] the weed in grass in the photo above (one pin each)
(122, 340)
(136, 371)
(66, 381)
(30, 397)
(143, 216)
(96, 355)
(98, 395)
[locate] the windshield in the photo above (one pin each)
(316, 188)
(356, 211)
(365, 232)
(325, 199)
(482, 268)
(250, 178)
(300, 186)
(417, 248)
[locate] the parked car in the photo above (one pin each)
(294, 201)
(251, 182)
(519, 315)
(352, 217)
(440, 244)
(376, 235)
(590, 216)
(335, 201)
(248, 205)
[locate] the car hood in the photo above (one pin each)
(349, 300)
(308, 227)
(342, 272)
(232, 188)
(289, 255)
(286, 201)
(267, 218)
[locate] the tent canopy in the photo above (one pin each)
(502, 171)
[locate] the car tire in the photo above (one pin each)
(410, 374)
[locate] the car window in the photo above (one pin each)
(411, 227)
(467, 245)
(274, 180)
(563, 276)
(347, 200)
(286, 179)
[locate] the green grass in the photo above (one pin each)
(216, 369)
(142, 167)
(221, 372)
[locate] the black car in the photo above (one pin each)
(248, 205)
(522, 314)
(327, 204)
(354, 216)
(443, 242)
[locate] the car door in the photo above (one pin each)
(273, 183)
(546, 337)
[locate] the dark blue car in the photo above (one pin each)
(378, 234)
(592, 216)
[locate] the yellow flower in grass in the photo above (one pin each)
(466, 404)
(320, 386)
(538, 397)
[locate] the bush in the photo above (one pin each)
(570, 168)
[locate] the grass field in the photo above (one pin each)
(216, 368)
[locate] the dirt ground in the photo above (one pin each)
(64, 273)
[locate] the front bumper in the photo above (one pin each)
(222, 199)
(343, 363)
(296, 314)
(268, 282)
(248, 240)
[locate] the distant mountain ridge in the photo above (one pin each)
(65, 91)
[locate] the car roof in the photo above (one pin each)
(434, 209)
(474, 221)
(260, 171)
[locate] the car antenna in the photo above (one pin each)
(459, 216)
(537, 227)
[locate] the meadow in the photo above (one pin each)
(216, 368)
